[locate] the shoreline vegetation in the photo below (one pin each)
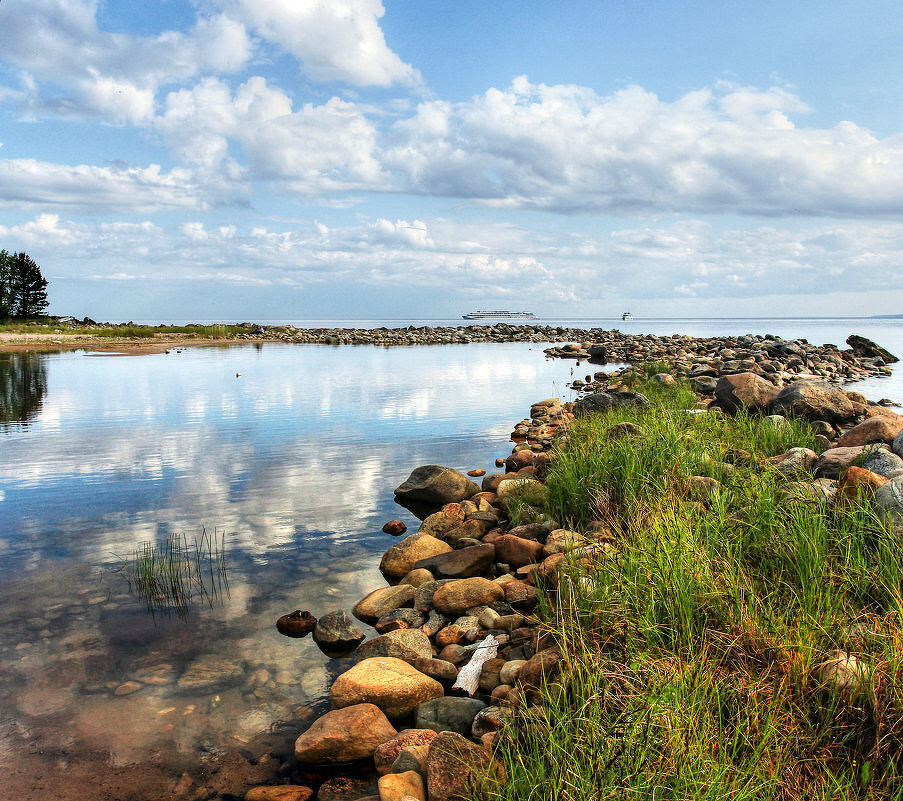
(676, 589)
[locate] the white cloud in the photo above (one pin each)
(566, 149)
(489, 261)
(70, 67)
(336, 40)
(27, 183)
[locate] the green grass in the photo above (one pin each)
(120, 330)
(695, 643)
(172, 575)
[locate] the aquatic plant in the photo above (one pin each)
(171, 575)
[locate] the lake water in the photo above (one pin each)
(295, 460)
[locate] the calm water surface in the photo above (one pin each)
(295, 460)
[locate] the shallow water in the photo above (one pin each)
(295, 459)
(293, 452)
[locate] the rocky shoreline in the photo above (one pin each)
(461, 643)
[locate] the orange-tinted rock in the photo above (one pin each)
(402, 786)
(341, 735)
(389, 683)
(874, 429)
(517, 551)
(400, 559)
(858, 481)
(279, 792)
(461, 594)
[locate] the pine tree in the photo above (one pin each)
(23, 289)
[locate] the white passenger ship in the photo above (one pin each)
(498, 314)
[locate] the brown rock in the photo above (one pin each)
(744, 391)
(444, 520)
(437, 669)
(391, 684)
(346, 734)
(400, 559)
(874, 429)
(417, 578)
(543, 666)
(399, 619)
(296, 624)
(454, 766)
(386, 754)
(834, 460)
(517, 551)
(280, 792)
(562, 540)
(521, 595)
(519, 460)
(462, 594)
(476, 473)
(814, 400)
(395, 528)
(382, 601)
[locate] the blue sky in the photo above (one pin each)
(272, 159)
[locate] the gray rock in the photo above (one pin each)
(795, 461)
(449, 713)
(865, 347)
(437, 485)
(814, 400)
(400, 619)
(600, 402)
(463, 563)
(336, 632)
(884, 463)
(406, 644)
(888, 502)
(897, 446)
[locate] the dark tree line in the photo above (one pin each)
(23, 290)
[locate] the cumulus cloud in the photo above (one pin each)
(71, 67)
(28, 183)
(335, 40)
(566, 149)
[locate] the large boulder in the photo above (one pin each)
(400, 559)
(390, 683)
(814, 400)
(454, 766)
(436, 485)
(342, 735)
(744, 391)
(897, 445)
(382, 601)
(600, 402)
(870, 350)
(875, 429)
(461, 594)
(464, 563)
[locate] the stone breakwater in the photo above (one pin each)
(704, 359)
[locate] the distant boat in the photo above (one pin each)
(627, 316)
(498, 314)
